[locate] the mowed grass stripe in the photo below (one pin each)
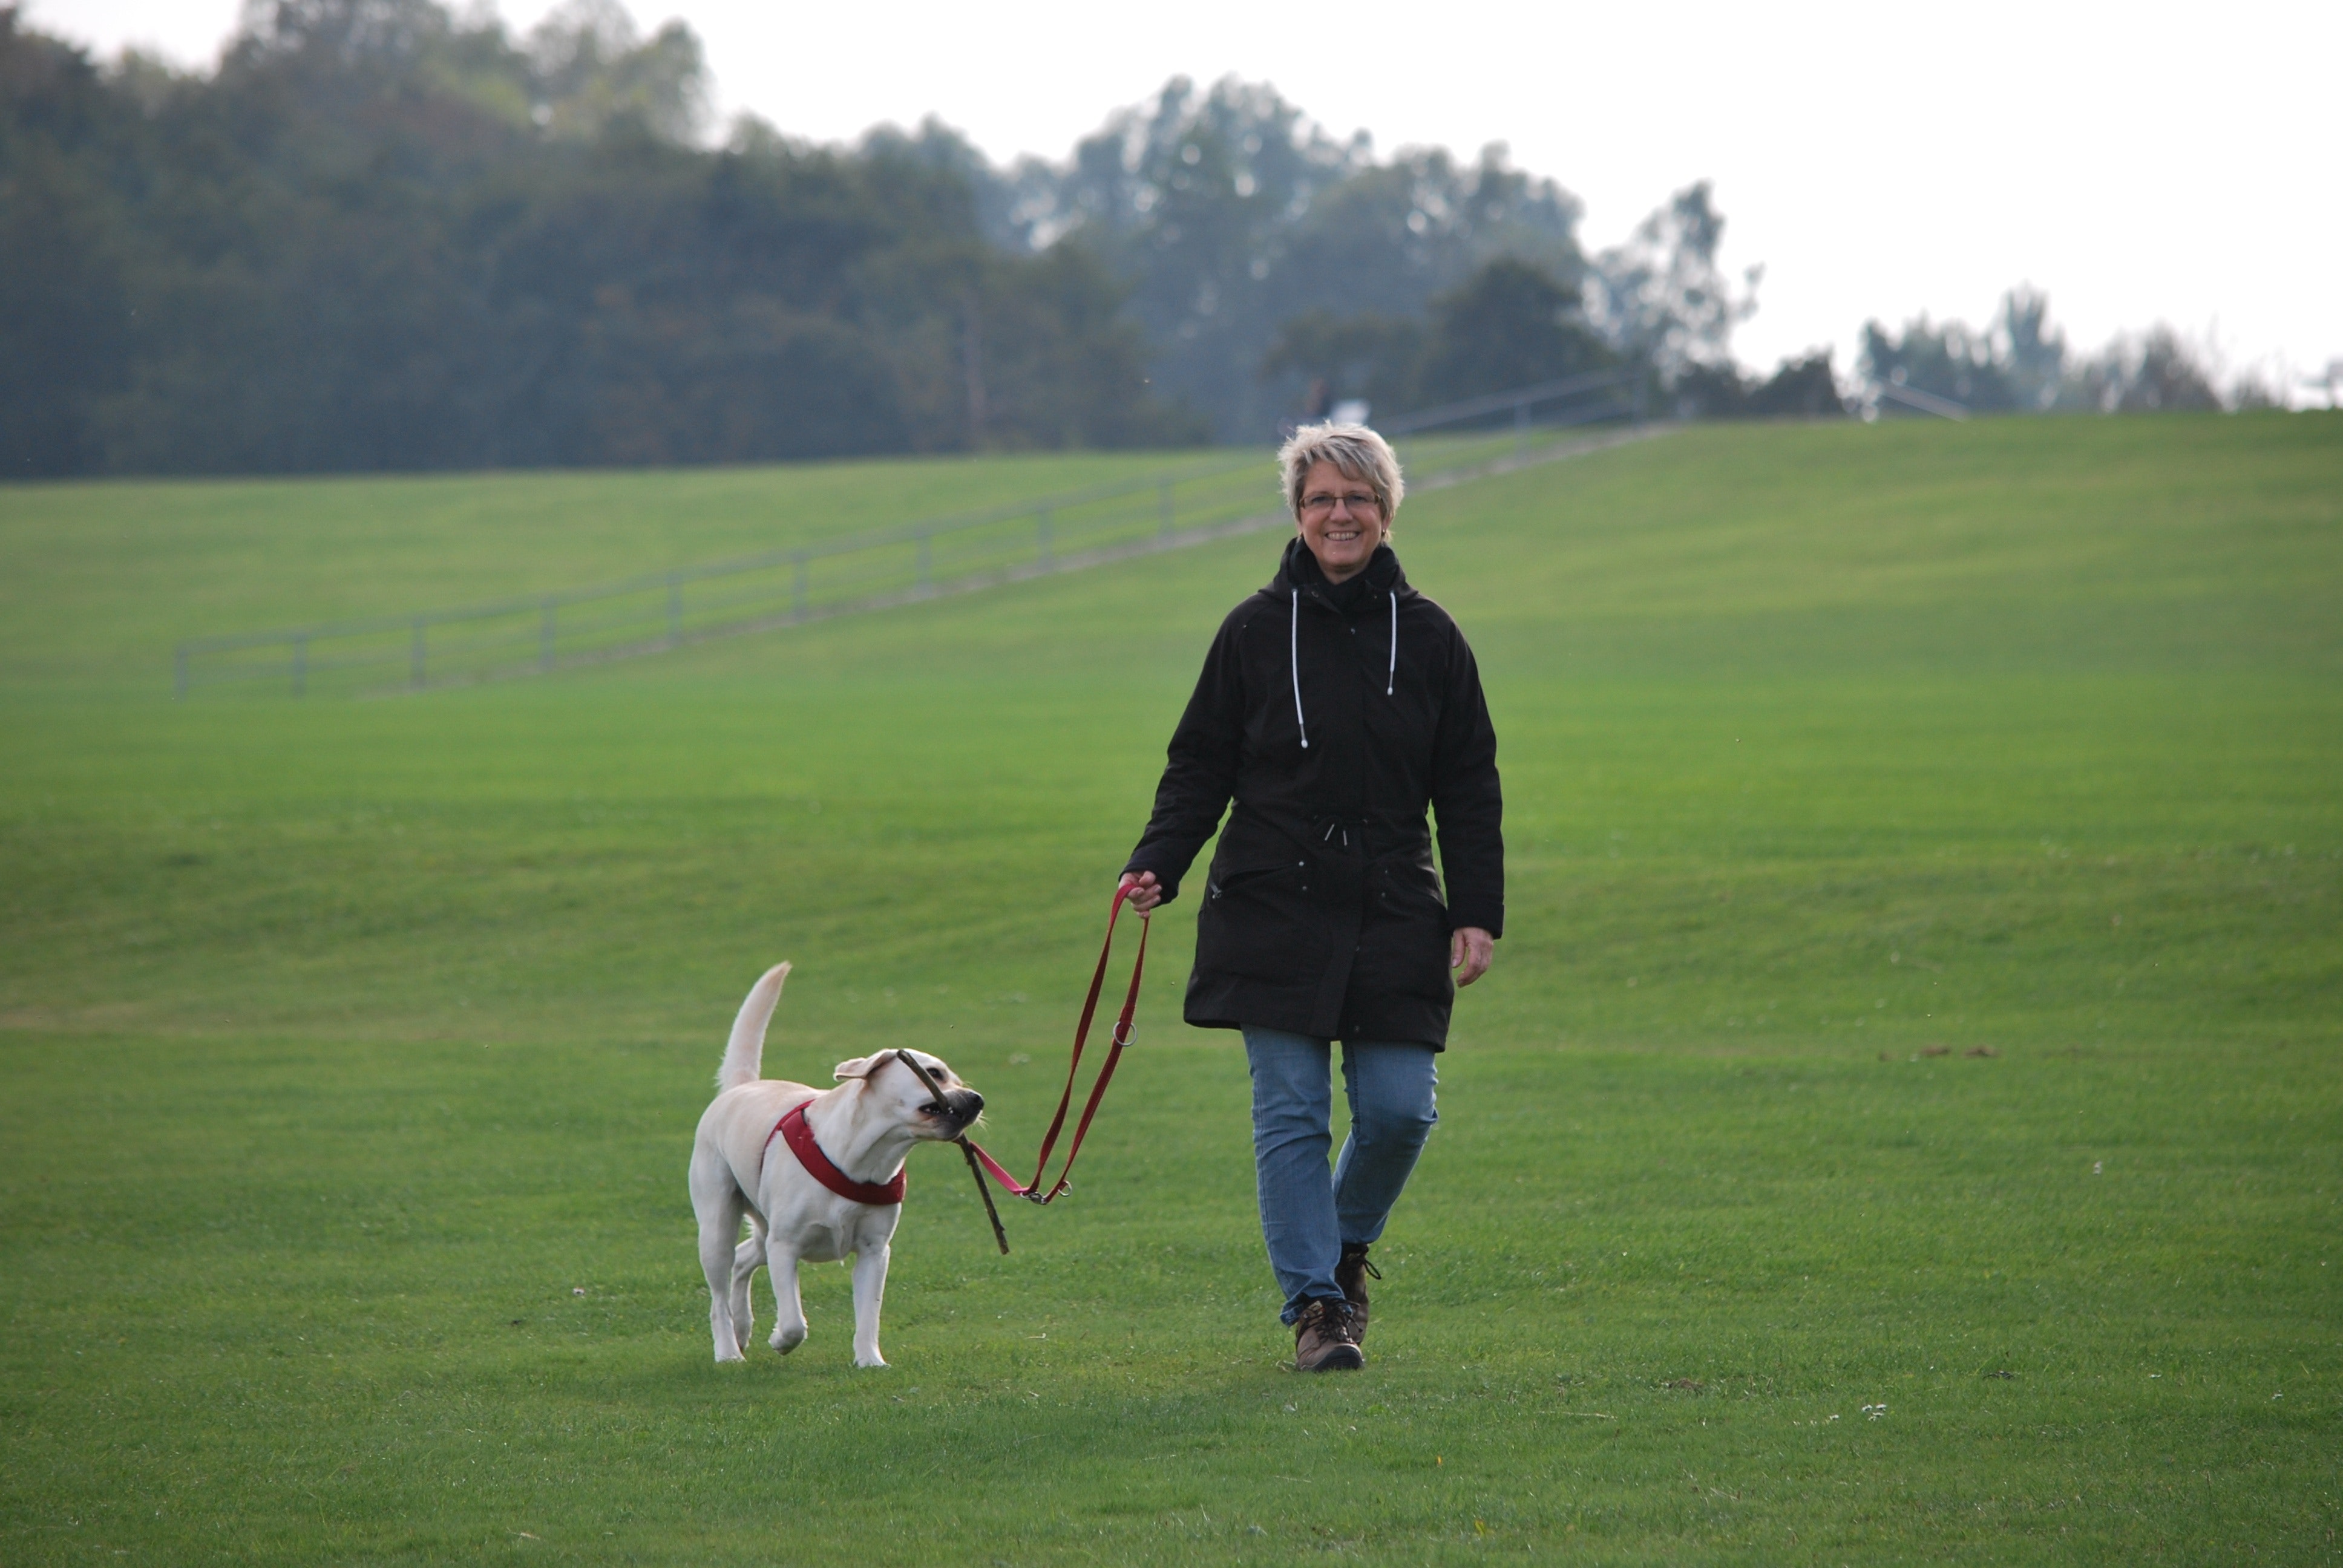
(1822, 746)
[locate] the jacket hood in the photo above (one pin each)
(1298, 568)
(1298, 573)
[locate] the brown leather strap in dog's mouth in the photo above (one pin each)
(939, 1106)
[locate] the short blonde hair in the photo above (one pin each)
(1357, 451)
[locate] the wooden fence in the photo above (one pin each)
(540, 633)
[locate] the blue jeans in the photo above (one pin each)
(1307, 1214)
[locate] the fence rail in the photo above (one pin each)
(1628, 391)
(1925, 402)
(540, 633)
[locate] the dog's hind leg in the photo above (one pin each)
(747, 1258)
(870, 1291)
(716, 1200)
(789, 1309)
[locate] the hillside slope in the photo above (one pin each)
(1751, 664)
(1901, 1124)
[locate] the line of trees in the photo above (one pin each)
(379, 234)
(2021, 364)
(380, 237)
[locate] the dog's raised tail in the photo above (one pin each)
(744, 1054)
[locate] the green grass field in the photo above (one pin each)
(347, 1042)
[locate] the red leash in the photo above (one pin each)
(1031, 1191)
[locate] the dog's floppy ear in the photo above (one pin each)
(858, 1067)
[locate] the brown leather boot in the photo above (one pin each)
(1322, 1339)
(1351, 1273)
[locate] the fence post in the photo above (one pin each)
(415, 654)
(1520, 426)
(926, 564)
(179, 674)
(301, 666)
(1163, 511)
(674, 608)
(1041, 539)
(546, 632)
(798, 587)
(1643, 400)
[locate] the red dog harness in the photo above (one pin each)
(791, 1129)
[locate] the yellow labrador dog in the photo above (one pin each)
(819, 1174)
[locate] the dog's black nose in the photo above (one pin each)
(967, 1104)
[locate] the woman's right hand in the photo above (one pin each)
(1145, 893)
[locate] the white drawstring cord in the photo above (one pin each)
(1391, 675)
(1293, 658)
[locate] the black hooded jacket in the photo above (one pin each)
(1332, 715)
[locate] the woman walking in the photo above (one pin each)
(1336, 705)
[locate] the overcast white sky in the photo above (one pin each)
(2141, 162)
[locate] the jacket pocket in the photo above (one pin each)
(1403, 940)
(1260, 922)
(1219, 883)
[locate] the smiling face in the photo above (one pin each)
(1340, 520)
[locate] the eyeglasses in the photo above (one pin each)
(1359, 501)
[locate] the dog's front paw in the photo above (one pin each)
(873, 1359)
(726, 1358)
(785, 1340)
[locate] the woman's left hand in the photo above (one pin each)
(1470, 949)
